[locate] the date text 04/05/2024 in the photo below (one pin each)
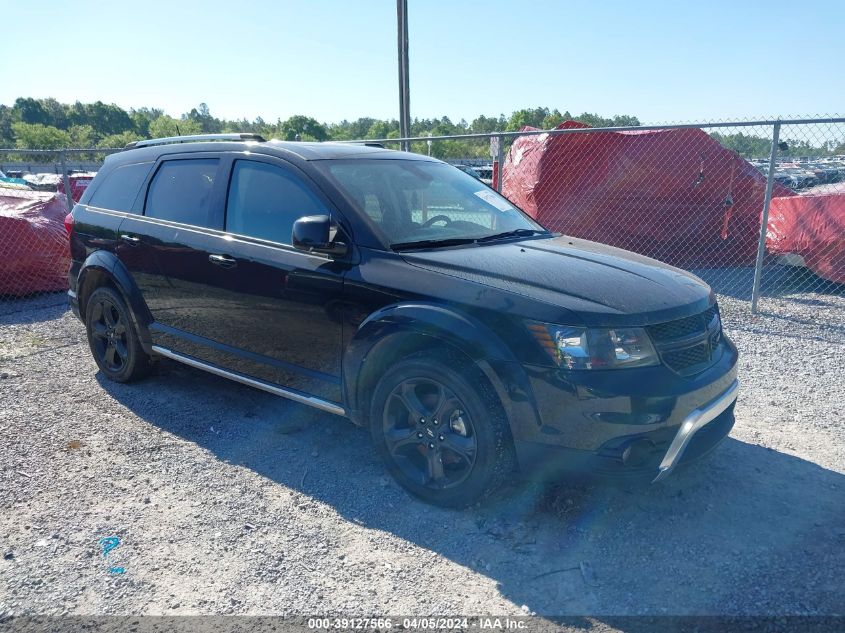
(381, 624)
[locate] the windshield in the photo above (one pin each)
(412, 201)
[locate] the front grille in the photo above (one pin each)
(687, 326)
(687, 345)
(687, 356)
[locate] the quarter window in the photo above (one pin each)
(265, 200)
(181, 191)
(120, 187)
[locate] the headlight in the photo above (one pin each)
(593, 348)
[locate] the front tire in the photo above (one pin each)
(112, 337)
(440, 430)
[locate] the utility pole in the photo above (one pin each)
(404, 90)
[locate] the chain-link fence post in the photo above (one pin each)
(500, 161)
(66, 180)
(764, 219)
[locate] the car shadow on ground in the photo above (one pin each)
(746, 526)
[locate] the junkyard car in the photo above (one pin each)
(399, 292)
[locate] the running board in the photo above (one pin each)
(290, 394)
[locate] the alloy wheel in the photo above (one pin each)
(429, 434)
(108, 330)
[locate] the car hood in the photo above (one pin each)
(600, 284)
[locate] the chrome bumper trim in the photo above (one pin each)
(290, 394)
(692, 423)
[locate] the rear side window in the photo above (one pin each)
(181, 191)
(120, 187)
(265, 200)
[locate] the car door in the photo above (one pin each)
(164, 247)
(233, 292)
(285, 304)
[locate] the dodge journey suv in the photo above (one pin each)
(401, 293)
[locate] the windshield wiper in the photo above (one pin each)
(451, 241)
(456, 241)
(514, 233)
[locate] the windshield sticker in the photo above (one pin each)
(491, 198)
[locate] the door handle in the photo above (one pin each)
(224, 261)
(131, 240)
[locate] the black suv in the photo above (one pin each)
(398, 291)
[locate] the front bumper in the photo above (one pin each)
(545, 462)
(632, 425)
(694, 422)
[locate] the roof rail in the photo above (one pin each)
(367, 143)
(197, 138)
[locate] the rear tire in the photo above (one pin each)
(113, 338)
(440, 429)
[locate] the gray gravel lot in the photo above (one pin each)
(229, 500)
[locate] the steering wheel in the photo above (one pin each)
(436, 218)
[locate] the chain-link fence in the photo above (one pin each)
(693, 195)
(756, 208)
(37, 189)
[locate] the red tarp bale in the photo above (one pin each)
(33, 242)
(812, 226)
(675, 195)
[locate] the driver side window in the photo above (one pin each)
(265, 200)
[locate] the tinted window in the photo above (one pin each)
(264, 201)
(120, 187)
(181, 191)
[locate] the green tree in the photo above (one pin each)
(241, 125)
(141, 119)
(801, 147)
(109, 125)
(39, 136)
(105, 119)
(553, 119)
(29, 110)
(486, 125)
(349, 130)
(119, 140)
(168, 126)
(82, 136)
(306, 127)
(202, 116)
(527, 116)
(7, 117)
(595, 120)
(383, 129)
(56, 113)
(746, 145)
(624, 120)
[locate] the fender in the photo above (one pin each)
(383, 330)
(108, 263)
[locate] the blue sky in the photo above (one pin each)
(331, 59)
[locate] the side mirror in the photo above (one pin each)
(312, 233)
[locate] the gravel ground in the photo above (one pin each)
(228, 500)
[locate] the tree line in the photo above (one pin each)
(48, 124)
